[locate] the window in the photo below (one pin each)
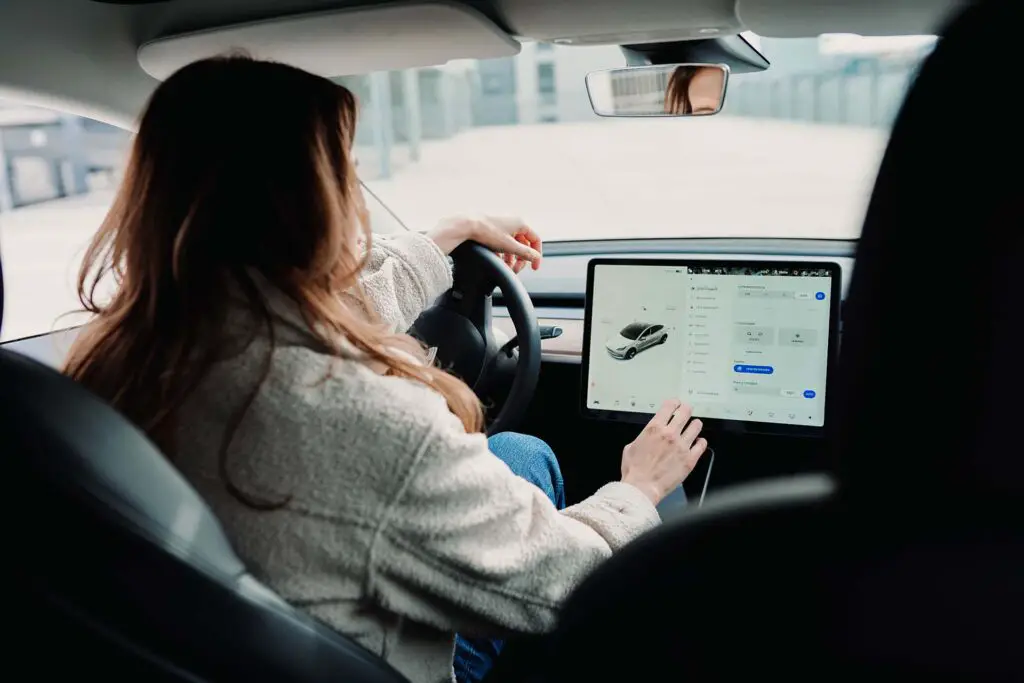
(617, 89)
(58, 175)
(546, 79)
(633, 331)
(98, 126)
(793, 153)
(493, 84)
(57, 178)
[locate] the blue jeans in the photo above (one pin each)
(534, 461)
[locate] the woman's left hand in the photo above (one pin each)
(515, 241)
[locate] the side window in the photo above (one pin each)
(656, 329)
(58, 174)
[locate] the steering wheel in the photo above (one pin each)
(459, 325)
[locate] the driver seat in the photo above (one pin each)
(908, 564)
(116, 566)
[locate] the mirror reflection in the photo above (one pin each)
(659, 90)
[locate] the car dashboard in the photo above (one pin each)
(558, 288)
(590, 450)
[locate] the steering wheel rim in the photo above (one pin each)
(524, 318)
(460, 325)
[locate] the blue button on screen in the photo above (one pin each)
(819, 296)
(754, 369)
(808, 393)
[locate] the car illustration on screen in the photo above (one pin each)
(634, 338)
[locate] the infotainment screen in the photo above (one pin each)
(750, 343)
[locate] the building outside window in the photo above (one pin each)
(546, 83)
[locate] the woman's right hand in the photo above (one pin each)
(511, 238)
(665, 453)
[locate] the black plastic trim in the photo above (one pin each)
(755, 246)
(734, 51)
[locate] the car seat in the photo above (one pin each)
(116, 567)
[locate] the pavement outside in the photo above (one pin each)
(623, 178)
(649, 178)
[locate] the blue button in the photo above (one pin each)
(809, 393)
(754, 369)
(819, 296)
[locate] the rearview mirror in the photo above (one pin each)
(659, 90)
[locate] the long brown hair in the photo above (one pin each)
(677, 94)
(239, 167)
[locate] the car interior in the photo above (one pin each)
(879, 536)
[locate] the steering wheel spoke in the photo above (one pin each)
(471, 297)
(460, 325)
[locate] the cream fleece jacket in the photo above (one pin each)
(397, 528)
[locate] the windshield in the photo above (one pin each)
(792, 154)
(633, 331)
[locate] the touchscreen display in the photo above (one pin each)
(747, 342)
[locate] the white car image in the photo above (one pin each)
(634, 338)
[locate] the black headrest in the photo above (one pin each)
(932, 389)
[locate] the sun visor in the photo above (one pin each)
(343, 42)
(802, 18)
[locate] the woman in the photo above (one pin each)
(695, 90)
(256, 335)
